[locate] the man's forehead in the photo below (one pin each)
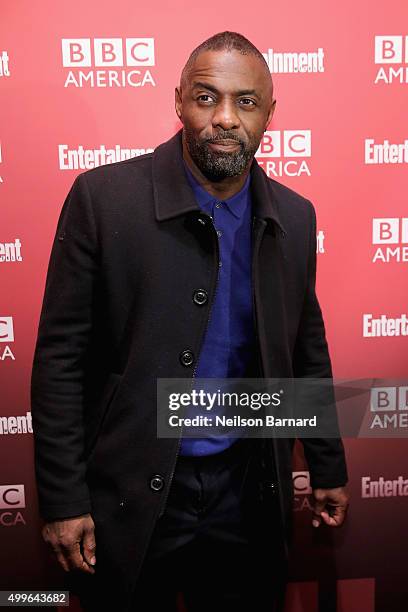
(243, 69)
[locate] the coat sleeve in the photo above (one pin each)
(325, 456)
(59, 360)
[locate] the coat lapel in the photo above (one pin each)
(172, 193)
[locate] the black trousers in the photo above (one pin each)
(216, 548)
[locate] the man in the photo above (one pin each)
(182, 263)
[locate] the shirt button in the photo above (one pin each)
(156, 482)
(187, 358)
(220, 264)
(219, 233)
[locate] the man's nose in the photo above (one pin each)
(226, 116)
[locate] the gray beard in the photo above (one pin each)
(216, 165)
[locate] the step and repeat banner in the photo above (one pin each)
(90, 83)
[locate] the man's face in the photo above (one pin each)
(225, 103)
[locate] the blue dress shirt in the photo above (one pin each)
(228, 346)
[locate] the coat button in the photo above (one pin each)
(187, 358)
(200, 297)
(270, 487)
(156, 482)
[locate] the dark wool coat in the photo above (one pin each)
(120, 309)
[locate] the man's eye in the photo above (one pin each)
(205, 98)
(247, 102)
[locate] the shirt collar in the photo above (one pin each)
(236, 204)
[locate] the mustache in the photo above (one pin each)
(224, 136)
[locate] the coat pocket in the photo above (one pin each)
(104, 405)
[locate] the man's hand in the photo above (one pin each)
(73, 542)
(330, 505)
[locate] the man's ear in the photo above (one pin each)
(270, 114)
(178, 102)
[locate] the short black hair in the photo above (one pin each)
(223, 41)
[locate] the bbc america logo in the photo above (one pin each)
(302, 490)
(6, 329)
(390, 231)
(6, 338)
(301, 483)
(388, 399)
(12, 501)
(284, 152)
(390, 405)
(12, 496)
(108, 62)
(392, 53)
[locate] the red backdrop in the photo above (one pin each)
(83, 83)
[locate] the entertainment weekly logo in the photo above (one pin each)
(290, 62)
(382, 487)
(390, 231)
(6, 338)
(392, 53)
(285, 152)
(10, 252)
(320, 238)
(15, 425)
(4, 64)
(108, 62)
(383, 326)
(81, 158)
(12, 502)
(390, 408)
(385, 152)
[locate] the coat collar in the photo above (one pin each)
(173, 195)
(236, 205)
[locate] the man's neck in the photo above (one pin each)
(222, 190)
